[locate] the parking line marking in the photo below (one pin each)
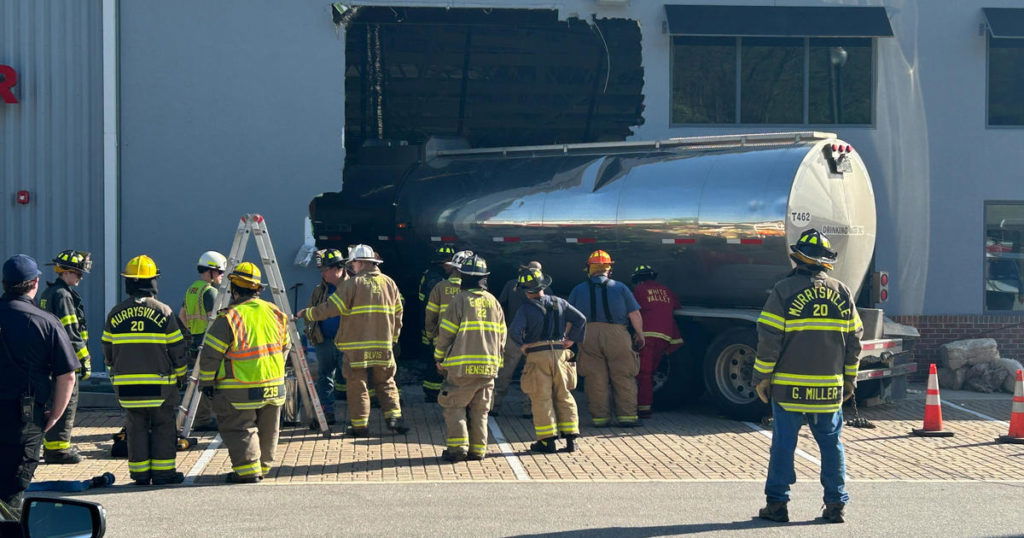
(203, 460)
(799, 452)
(506, 450)
(975, 413)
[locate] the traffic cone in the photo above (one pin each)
(932, 409)
(1016, 434)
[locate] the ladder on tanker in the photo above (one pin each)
(255, 226)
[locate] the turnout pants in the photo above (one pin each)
(152, 440)
(609, 366)
(465, 403)
(359, 380)
(204, 411)
(512, 356)
(548, 379)
(20, 440)
(250, 435)
(650, 357)
(58, 439)
(432, 379)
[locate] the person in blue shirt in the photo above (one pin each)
(329, 382)
(607, 355)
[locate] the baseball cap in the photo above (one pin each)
(20, 268)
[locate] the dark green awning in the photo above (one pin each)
(1005, 22)
(764, 21)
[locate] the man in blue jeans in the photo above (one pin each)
(808, 348)
(321, 334)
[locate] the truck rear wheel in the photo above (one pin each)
(728, 374)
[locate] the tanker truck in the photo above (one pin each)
(714, 215)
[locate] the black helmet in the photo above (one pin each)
(474, 266)
(329, 257)
(814, 248)
(644, 271)
(443, 254)
(532, 281)
(74, 260)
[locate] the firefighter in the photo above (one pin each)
(510, 299)
(371, 311)
(440, 269)
(195, 315)
(808, 343)
(329, 383)
(606, 356)
(661, 333)
(468, 353)
(241, 369)
(544, 329)
(61, 300)
(146, 355)
(437, 303)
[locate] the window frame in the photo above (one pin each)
(806, 84)
(988, 86)
(985, 310)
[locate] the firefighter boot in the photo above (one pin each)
(175, 478)
(454, 455)
(233, 478)
(570, 443)
(69, 456)
(397, 425)
(544, 446)
(775, 511)
(834, 513)
(352, 431)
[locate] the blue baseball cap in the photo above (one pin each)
(20, 268)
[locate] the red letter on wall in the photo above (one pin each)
(9, 80)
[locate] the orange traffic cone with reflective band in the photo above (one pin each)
(1016, 434)
(932, 409)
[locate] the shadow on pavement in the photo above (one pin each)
(671, 530)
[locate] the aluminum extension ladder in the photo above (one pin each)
(256, 226)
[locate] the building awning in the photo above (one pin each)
(841, 21)
(1005, 22)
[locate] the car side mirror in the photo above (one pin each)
(45, 516)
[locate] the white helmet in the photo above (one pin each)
(213, 260)
(362, 253)
(459, 257)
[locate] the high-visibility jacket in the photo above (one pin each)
(197, 317)
(472, 336)
(371, 310)
(437, 304)
(145, 352)
(808, 341)
(657, 308)
(65, 303)
(244, 354)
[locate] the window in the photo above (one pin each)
(767, 80)
(1004, 256)
(1005, 81)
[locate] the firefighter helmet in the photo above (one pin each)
(329, 257)
(443, 254)
(600, 257)
(474, 265)
(246, 275)
(141, 267)
(533, 281)
(73, 260)
(644, 271)
(460, 257)
(362, 253)
(212, 259)
(814, 248)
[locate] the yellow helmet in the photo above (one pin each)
(142, 267)
(246, 275)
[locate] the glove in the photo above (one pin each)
(207, 391)
(762, 389)
(85, 372)
(848, 389)
(638, 342)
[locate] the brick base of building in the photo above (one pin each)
(1008, 332)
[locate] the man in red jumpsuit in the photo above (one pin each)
(657, 304)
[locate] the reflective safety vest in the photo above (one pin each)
(244, 354)
(808, 342)
(196, 316)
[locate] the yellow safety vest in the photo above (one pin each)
(253, 369)
(196, 316)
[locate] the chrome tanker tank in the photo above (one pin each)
(714, 215)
